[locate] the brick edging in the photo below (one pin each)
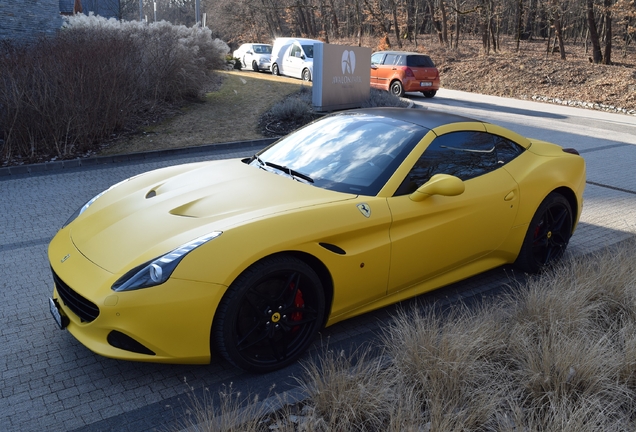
(130, 157)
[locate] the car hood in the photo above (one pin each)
(154, 213)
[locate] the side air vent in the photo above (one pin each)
(123, 341)
(151, 194)
(333, 248)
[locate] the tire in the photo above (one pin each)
(548, 235)
(396, 89)
(254, 66)
(306, 75)
(429, 94)
(275, 70)
(270, 315)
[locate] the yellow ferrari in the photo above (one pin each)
(250, 258)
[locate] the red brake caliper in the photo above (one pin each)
(299, 302)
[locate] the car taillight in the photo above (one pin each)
(408, 72)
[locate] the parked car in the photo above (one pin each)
(400, 71)
(254, 55)
(294, 57)
(249, 258)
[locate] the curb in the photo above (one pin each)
(6, 172)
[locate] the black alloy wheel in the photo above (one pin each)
(429, 94)
(275, 70)
(396, 88)
(548, 234)
(269, 315)
(306, 75)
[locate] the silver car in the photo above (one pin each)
(256, 56)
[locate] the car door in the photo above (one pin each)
(386, 70)
(441, 233)
(376, 61)
(294, 61)
(248, 55)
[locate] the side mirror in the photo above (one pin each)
(439, 184)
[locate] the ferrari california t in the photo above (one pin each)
(249, 258)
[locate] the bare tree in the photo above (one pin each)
(591, 22)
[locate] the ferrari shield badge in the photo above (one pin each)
(364, 209)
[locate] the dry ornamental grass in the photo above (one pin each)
(557, 353)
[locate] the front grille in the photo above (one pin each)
(83, 308)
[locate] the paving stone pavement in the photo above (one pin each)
(48, 381)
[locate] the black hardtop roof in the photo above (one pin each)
(421, 117)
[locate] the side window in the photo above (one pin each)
(390, 59)
(295, 51)
(462, 154)
(506, 150)
(376, 59)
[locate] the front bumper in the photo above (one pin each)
(172, 321)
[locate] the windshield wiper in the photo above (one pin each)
(290, 172)
(293, 173)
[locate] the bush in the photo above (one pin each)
(62, 96)
(297, 110)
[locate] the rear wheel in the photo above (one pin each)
(275, 70)
(429, 94)
(548, 234)
(396, 89)
(269, 315)
(306, 75)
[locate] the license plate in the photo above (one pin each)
(57, 316)
(425, 84)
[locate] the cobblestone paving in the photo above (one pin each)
(48, 381)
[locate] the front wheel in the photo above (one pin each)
(270, 315)
(548, 234)
(396, 89)
(254, 66)
(306, 75)
(275, 70)
(429, 94)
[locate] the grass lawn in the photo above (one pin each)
(227, 115)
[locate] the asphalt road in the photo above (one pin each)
(48, 381)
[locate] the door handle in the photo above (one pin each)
(511, 195)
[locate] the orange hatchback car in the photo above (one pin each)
(400, 71)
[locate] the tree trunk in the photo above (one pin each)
(334, 20)
(607, 56)
(359, 17)
(519, 22)
(436, 23)
(591, 23)
(395, 23)
(456, 24)
(557, 29)
(442, 9)
(325, 21)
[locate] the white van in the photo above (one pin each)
(294, 57)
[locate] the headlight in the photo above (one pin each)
(158, 270)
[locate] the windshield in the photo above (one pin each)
(263, 49)
(353, 152)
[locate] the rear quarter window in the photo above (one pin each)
(419, 61)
